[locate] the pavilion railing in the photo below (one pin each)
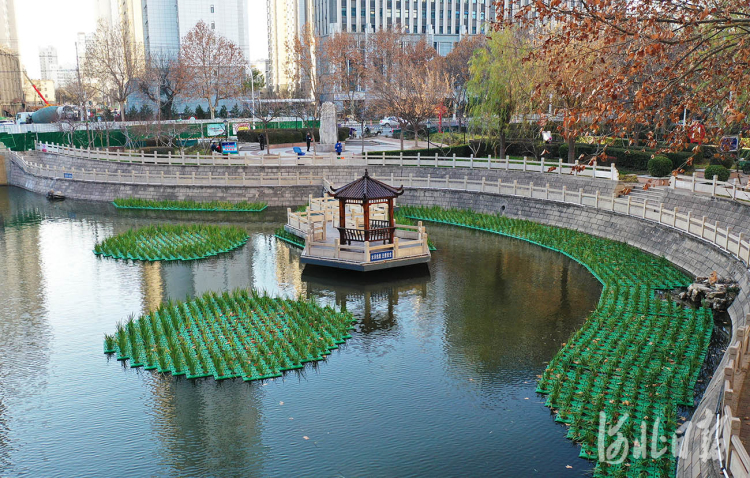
(408, 241)
(349, 235)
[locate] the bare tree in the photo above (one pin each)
(163, 82)
(309, 70)
(115, 61)
(410, 86)
(266, 109)
(214, 66)
(346, 55)
(456, 65)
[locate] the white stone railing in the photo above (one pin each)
(409, 241)
(712, 186)
(707, 229)
(732, 453)
(402, 160)
(207, 178)
(325, 210)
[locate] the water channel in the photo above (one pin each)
(437, 380)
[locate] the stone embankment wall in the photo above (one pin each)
(273, 195)
(685, 250)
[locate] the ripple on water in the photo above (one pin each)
(438, 379)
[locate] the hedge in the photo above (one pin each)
(659, 166)
(635, 158)
(464, 151)
(717, 170)
(284, 136)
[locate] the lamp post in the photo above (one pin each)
(428, 136)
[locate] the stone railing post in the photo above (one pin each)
(713, 186)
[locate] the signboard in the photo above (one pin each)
(381, 256)
(697, 133)
(729, 144)
(229, 147)
(236, 127)
(67, 175)
(215, 129)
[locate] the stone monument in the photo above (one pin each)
(328, 128)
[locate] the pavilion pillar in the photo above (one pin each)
(366, 207)
(391, 222)
(342, 221)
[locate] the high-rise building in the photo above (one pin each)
(444, 22)
(48, 64)
(161, 24)
(11, 89)
(8, 32)
(286, 19)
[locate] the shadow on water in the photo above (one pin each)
(438, 378)
(382, 286)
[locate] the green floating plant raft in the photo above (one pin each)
(637, 355)
(241, 334)
(210, 206)
(171, 242)
(286, 236)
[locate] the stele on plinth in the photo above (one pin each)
(328, 128)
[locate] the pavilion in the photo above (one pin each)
(354, 228)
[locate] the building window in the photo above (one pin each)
(213, 26)
(212, 8)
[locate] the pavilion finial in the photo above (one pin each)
(366, 174)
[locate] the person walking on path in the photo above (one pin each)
(262, 141)
(308, 140)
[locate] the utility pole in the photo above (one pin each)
(83, 98)
(252, 94)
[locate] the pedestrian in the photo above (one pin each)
(308, 140)
(214, 148)
(339, 147)
(262, 141)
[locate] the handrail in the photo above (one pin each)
(543, 165)
(731, 452)
(735, 244)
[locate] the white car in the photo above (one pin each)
(389, 121)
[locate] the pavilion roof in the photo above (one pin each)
(366, 188)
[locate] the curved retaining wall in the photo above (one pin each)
(273, 195)
(684, 250)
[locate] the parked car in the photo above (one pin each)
(390, 121)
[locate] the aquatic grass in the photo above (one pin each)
(171, 242)
(239, 334)
(289, 238)
(188, 205)
(636, 354)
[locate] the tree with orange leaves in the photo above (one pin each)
(662, 59)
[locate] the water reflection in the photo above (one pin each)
(433, 380)
(358, 292)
